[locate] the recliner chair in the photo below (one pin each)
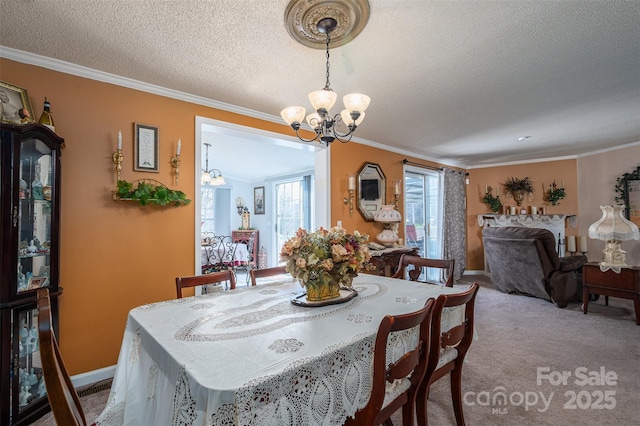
(525, 261)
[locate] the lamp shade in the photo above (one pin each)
(346, 117)
(323, 99)
(613, 226)
(356, 102)
(293, 114)
(387, 214)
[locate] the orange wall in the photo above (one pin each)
(542, 174)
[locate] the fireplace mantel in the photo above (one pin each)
(528, 220)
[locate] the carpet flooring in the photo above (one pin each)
(532, 364)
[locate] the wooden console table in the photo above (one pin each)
(385, 262)
(626, 285)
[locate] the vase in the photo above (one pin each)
(518, 196)
(318, 290)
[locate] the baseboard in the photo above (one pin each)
(475, 272)
(91, 377)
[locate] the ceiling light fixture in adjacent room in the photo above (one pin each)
(211, 176)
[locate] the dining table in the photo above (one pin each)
(250, 356)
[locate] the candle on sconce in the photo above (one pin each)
(120, 139)
(352, 183)
(582, 245)
(571, 244)
(486, 189)
(396, 189)
(179, 147)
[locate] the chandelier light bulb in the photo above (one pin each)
(293, 114)
(356, 102)
(347, 119)
(314, 120)
(323, 99)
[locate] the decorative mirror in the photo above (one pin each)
(370, 191)
(628, 189)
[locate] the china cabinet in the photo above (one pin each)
(29, 259)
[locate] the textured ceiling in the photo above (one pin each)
(455, 81)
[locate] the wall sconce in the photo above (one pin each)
(117, 157)
(352, 188)
(397, 190)
(175, 161)
(240, 205)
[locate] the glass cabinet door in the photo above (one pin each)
(29, 388)
(34, 215)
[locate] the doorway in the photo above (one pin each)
(242, 149)
(423, 189)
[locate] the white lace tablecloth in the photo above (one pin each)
(251, 357)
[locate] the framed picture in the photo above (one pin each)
(632, 200)
(14, 104)
(146, 148)
(36, 282)
(258, 200)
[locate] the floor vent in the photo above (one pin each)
(95, 388)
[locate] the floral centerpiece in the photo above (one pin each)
(325, 260)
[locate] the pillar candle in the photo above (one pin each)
(179, 147)
(120, 139)
(534, 210)
(571, 244)
(583, 243)
(352, 183)
(512, 210)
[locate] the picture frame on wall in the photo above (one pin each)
(632, 200)
(13, 99)
(145, 148)
(258, 200)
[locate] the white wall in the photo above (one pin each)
(597, 174)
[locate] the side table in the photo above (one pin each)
(626, 285)
(385, 262)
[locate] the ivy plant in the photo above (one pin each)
(634, 175)
(494, 203)
(148, 191)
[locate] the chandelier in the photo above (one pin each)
(211, 176)
(322, 122)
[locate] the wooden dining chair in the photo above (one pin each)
(266, 272)
(448, 347)
(395, 384)
(62, 396)
(213, 278)
(417, 265)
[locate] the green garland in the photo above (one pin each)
(149, 191)
(555, 193)
(494, 203)
(634, 175)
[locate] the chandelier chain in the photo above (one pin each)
(327, 86)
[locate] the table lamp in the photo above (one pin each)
(613, 228)
(389, 216)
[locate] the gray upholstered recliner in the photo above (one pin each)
(525, 261)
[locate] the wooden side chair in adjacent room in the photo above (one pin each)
(447, 350)
(62, 396)
(417, 264)
(266, 272)
(198, 280)
(395, 384)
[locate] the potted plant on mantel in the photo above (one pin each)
(518, 188)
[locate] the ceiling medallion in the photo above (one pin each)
(302, 16)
